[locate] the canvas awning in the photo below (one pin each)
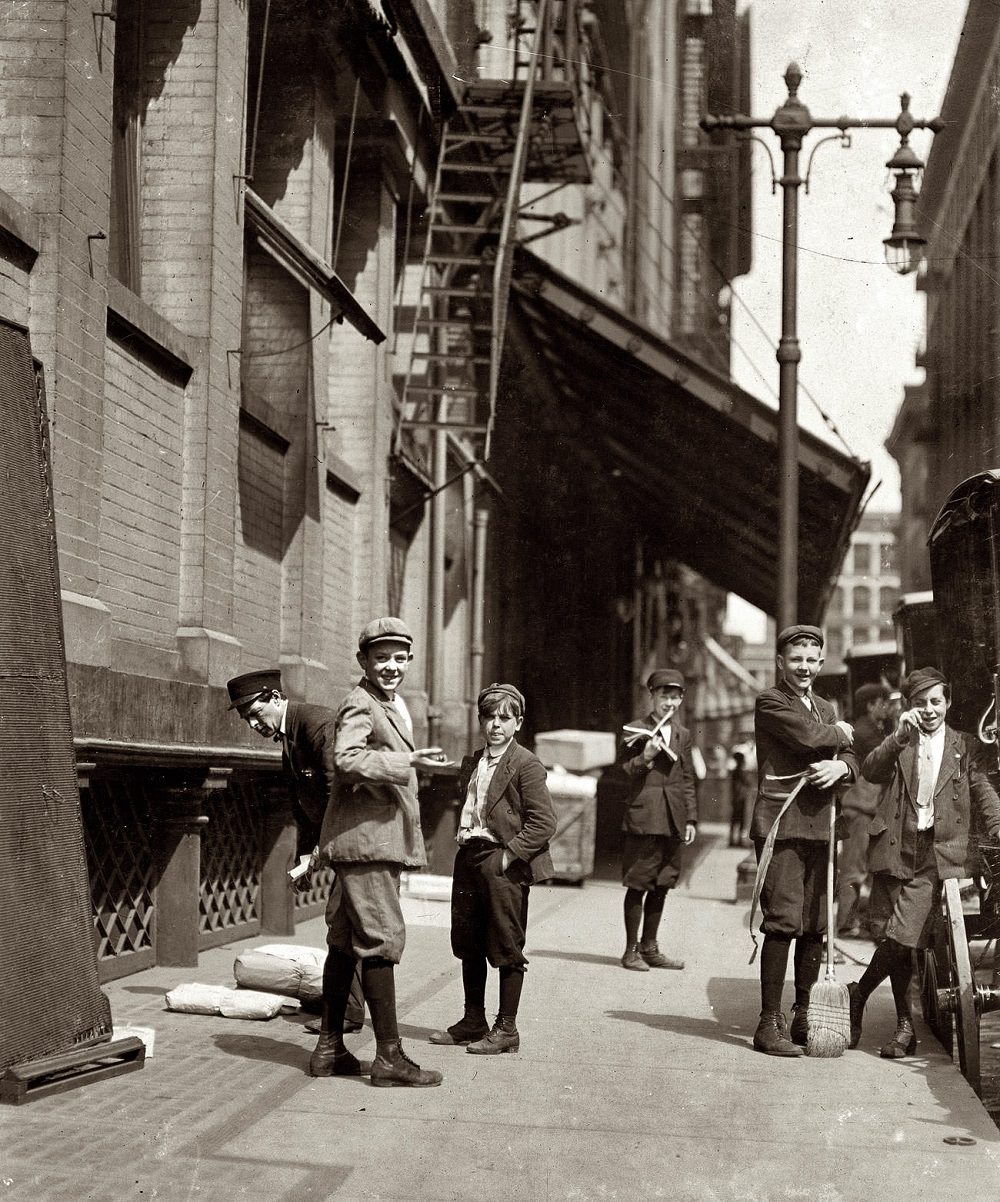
(696, 457)
(727, 689)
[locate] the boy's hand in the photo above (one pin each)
(431, 759)
(824, 774)
(908, 727)
(652, 748)
(848, 730)
(690, 831)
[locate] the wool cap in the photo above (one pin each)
(865, 694)
(248, 687)
(791, 633)
(384, 630)
(507, 690)
(665, 678)
(920, 680)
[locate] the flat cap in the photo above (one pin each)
(506, 690)
(385, 630)
(248, 687)
(665, 678)
(920, 680)
(791, 633)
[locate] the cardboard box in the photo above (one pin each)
(576, 750)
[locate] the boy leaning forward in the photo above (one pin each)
(800, 744)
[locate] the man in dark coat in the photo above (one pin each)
(661, 818)
(857, 807)
(798, 740)
(936, 795)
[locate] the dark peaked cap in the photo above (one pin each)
(248, 687)
(921, 679)
(791, 633)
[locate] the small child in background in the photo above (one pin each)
(506, 823)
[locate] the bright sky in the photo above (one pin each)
(860, 325)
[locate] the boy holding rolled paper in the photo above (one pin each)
(802, 753)
(661, 818)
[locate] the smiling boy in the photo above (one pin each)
(503, 838)
(921, 834)
(798, 738)
(371, 831)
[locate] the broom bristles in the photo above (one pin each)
(828, 1020)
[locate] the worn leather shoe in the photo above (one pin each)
(903, 1042)
(633, 960)
(394, 1067)
(331, 1059)
(857, 1004)
(652, 955)
(799, 1029)
(470, 1027)
(770, 1037)
(500, 1039)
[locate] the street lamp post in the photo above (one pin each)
(904, 248)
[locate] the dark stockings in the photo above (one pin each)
(474, 983)
(808, 957)
(378, 981)
(894, 961)
(646, 912)
(338, 976)
(511, 980)
(773, 964)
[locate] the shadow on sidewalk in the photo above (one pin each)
(260, 1047)
(732, 1006)
(578, 957)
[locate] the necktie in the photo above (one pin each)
(925, 783)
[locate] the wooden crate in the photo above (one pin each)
(572, 846)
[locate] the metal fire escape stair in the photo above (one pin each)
(503, 134)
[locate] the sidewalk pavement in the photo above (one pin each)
(628, 1086)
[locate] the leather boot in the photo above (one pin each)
(799, 1030)
(503, 1038)
(650, 952)
(903, 1042)
(392, 1066)
(770, 1037)
(857, 1004)
(633, 960)
(470, 1027)
(331, 1059)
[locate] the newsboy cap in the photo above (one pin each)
(791, 633)
(920, 680)
(248, 687)
(665, 678)
(505, 690)
(384, 630)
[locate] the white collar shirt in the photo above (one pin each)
(472, 823)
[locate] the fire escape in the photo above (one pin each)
(504, 134)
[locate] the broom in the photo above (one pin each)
(828, 1018)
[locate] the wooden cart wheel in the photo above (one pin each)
(964, 984)
(931, 976)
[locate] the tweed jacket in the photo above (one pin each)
(308, 756)
(518, 807)
(662, 798)
(789, 738)
(966, 806)
(374, 813)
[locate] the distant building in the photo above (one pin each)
(862, 603)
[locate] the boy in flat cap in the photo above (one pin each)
(799, 742)
(921, 834)
(503, 838)
(660, 819)
(371, 831)
(306, 734)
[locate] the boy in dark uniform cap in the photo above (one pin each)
(798, 739)
(920, 835)
(661, 818)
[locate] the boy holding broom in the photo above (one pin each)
(801, 750)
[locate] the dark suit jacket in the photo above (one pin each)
(374, 812)
(789, 739)
(662, 798)
(962, 794)
(518, 807)
(862, 797)
(308, 755)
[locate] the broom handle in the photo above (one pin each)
(829, 892)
